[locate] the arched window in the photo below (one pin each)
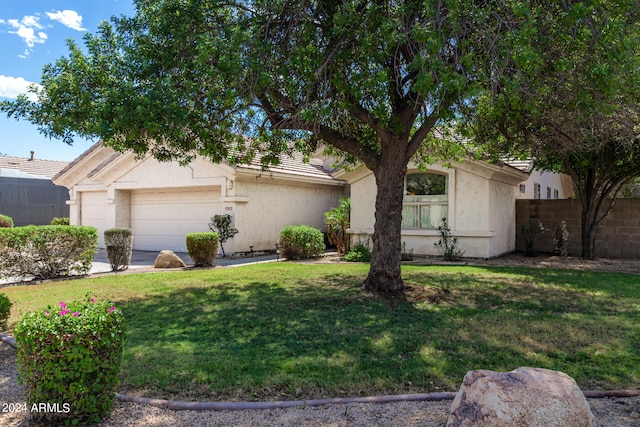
(426, 200)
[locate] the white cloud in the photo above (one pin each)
(68, 18)
(11, 87)
(26, 30)
(30, 37)
(31, 21)
(29, 28)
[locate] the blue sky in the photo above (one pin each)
(33, 33)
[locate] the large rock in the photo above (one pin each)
(523, 397)
(168, 259)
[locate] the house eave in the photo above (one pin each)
(500, 172)
(82, 166)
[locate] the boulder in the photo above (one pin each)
(523, 397)
(168, 259)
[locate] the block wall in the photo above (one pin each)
(618, 235)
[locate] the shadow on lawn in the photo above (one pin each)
(326, 338)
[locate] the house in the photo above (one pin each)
(27, 193)
(163, 201)
(476, 198)
(542, 184)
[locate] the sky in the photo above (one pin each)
(34, 33)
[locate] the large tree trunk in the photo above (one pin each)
(384, 273)
(595, 208)
(589, 232)
(592, 197)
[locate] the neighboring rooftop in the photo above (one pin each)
(523, 165)
(33, 165)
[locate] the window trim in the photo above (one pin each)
(449, 191)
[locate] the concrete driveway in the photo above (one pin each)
(142, 259)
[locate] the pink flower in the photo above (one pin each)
(63, 312)
(63, 305)
(46, 313)
(112, 309)
(76, 313)
(93, 300)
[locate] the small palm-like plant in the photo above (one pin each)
(338, 222)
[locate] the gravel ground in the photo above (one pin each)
(608, 412)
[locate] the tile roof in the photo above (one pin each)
(294, 166)
(47, 168)
(288, 165)
(523, 165)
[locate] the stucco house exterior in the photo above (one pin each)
(163, 201)
(542, 184)
(477, 199)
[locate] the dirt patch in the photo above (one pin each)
(541, 261)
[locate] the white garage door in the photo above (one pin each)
(161, 220)
(93, 211)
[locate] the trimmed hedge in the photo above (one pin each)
(6, 221)
(202, 247)
(118, 243)
(5, 310)
(301, 242)
(47, 251)
(70, 356)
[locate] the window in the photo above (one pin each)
(536, 191)
(523, 188)
(426, 200)
(555, 194)
(548, 192)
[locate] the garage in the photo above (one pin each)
(162, 219)
(93, 212)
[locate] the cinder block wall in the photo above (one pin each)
(618, 234)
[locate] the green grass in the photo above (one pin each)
(285, 330)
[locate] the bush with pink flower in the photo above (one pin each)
(70, 354)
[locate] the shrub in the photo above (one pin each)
(47, 251)
(358, 253)
(6, 221)
(448, 244)
(337, 221)
(406, 255)
(301, 242)
(530, 230)
(203, 247)
(119, 245)
(221, 224)
(5, 309)
(70, 356)
(60, 221)
(561, 239)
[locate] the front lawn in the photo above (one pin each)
(292, 331)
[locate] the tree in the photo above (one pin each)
(229, 79)
(221, 224)
(573, 105)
